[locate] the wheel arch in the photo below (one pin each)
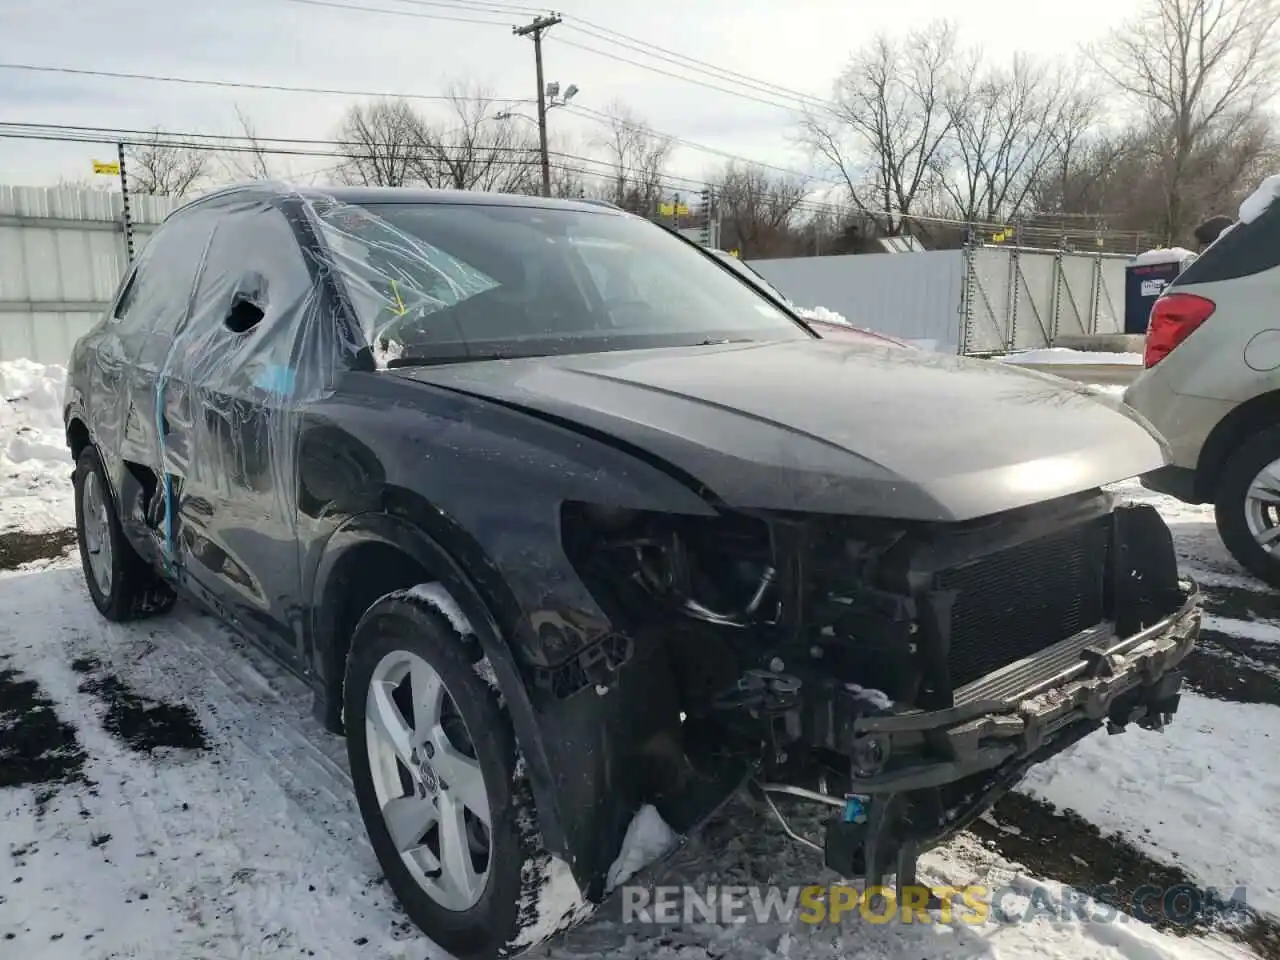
(374, 554)
(78, 437)
(1250, 417)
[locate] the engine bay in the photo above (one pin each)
(856, 663)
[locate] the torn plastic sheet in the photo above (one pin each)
(225, 313)
(247, 305)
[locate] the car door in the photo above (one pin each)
(229, 398)
(130, 354)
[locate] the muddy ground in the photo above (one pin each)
(18, 548)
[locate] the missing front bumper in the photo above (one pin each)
(1091, 678)
(935, 772)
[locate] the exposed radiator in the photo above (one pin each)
(1015, 602)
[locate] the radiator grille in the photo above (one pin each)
(1012, 603)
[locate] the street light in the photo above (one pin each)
(553, 92)
(551, 98)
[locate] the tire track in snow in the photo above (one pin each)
(249, 852)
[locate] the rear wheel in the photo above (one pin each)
(1247, 506)
(121, 584)
(433, 760)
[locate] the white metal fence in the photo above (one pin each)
(62, 253)
(911, 295)
(977, 300)
(1018, 299)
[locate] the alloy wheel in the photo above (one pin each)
(1262, 507)
(97, 531)
(427, 780)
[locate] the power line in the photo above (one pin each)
(397, 13)
(794, 108)
(579, 109)
(328, 149)
(478, 6)
(235, 84)
(805, 100)
(147, 137)
(596, 32)
(347, 151)
(604, 118)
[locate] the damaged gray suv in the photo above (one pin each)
(564, 521)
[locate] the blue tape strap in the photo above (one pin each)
(276, 378)
(168, 477)
(855, 810)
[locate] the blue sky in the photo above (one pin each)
(799, 44)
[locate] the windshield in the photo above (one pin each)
(436, 282)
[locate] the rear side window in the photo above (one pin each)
(157, 295)
(1241, 251)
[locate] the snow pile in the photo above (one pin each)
(648, 839)
(1256, 204)
(822, 315)
(1162, 255)
(35, 465)
(1065, 355)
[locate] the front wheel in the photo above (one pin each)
(1247, 505)
(434, 763)
(121, 584)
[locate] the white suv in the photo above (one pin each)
(1212, 383)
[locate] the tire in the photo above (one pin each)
(1232, 507)
(122, 585)
(504, 917)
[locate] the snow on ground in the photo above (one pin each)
(1066, 355)
(34, 462)
(1203, 790)
(192, 808)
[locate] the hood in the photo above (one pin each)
(833, 426)
(830, 330)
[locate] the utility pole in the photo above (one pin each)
(535, 30)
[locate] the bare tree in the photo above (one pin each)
(569, 177)
(888, 122)
(1201, 71)
(478, 146)
(1076, 135)
(636, 159)
(166, 167)
(382, 143)
(1008, 125)
(756, 209)
(251, 162)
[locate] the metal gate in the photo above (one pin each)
(1016, 298)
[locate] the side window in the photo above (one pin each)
(125, 297)
(156, 297)
(258, 323)
(253, 276)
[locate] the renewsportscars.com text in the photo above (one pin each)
(974, 905)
